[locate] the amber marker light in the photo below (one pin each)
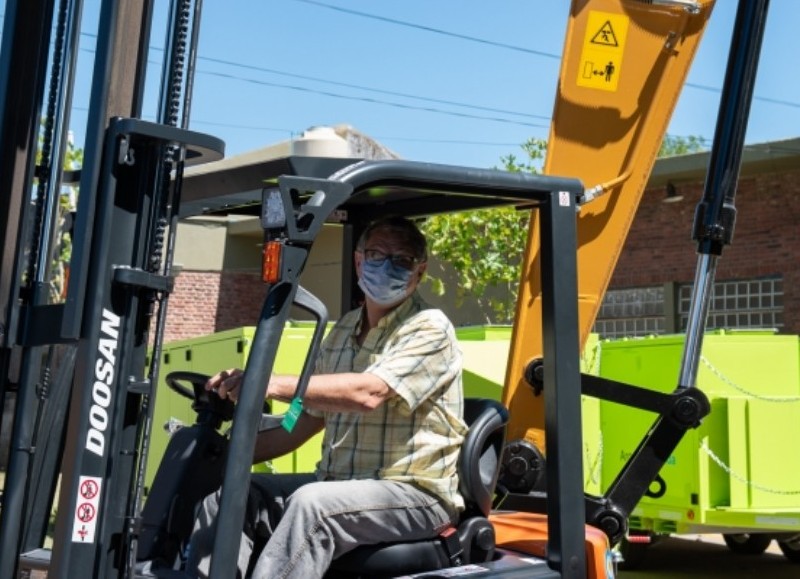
(271, 262)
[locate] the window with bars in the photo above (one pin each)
(754, 303)
(631, 312)
(645, 311)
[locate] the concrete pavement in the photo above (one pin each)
(707, 557)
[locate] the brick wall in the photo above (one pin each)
(766, 239)
(206, 302)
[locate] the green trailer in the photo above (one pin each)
(738, 473)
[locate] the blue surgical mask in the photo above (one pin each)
(386, 283)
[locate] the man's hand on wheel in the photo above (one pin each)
(226, 384)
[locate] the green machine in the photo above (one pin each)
(485, 351)
(209, 355)
(737, 474)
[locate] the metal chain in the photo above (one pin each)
(704, 446)
(744, 391)
(596, 464)
(739, 477)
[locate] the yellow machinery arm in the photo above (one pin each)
(624, 64)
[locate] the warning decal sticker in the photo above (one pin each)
(605, 36)
(603, 46)
(85, 523)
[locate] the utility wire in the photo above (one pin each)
(364, 88)
(431, 29)
(374, 101)
(759, 98)
(370, 89)
(516, 48)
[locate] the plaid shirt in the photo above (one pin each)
(416, 434)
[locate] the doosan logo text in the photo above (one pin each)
(103, 377)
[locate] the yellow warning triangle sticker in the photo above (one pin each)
(605, 36)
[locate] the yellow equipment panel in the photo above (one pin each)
(623, 67)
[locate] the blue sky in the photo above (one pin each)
(452, 81)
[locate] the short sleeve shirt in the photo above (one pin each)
(415, 436)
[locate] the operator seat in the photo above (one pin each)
(472, 540)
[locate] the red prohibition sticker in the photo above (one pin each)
(85, 522)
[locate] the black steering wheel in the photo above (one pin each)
(197, 380)
(203, 401)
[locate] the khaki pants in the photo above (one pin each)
(303, 524)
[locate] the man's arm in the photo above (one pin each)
(344, 392)
(277, 441)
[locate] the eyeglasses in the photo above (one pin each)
(377, 257)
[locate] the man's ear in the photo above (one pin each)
(357, 260)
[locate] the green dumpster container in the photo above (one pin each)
(738, 471)
(210, 354)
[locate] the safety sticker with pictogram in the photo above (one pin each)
(603, 47)
(85, 523)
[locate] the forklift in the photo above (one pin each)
(77, 370)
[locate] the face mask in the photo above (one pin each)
(384, 284)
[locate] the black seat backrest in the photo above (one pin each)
(478, 469)
(479, 460)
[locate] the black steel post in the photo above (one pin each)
(23, 60)
(562, 394)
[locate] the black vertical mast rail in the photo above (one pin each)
(51, 363)
(23, 62)
(175, 99)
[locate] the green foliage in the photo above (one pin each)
(674, 145)
(534, 150)
(485, 247)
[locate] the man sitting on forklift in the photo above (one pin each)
(387, 389)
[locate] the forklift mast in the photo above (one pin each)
(87, 353)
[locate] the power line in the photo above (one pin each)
(381, 138)
(373, 100)
(444, 141)
(370, 89)
(501, 44)
(364, 88)
(755, 97)
(432, 29)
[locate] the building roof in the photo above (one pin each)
(768, 157)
